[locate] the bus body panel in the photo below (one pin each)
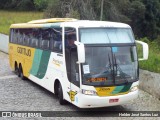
(91, 101)
(96, 101)
(22, 55)
(34, 67)
(44, 67)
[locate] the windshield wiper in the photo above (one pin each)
(111, 67)
(120, 70)
(115, 64)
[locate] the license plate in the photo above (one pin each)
(113, 100)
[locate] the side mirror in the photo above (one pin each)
(81, 52)
(145, 50)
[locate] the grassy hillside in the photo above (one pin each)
(153, 62)
(8, 17)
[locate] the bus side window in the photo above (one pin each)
(34, 42)
(12, 35)
(56, 40)
(58, 46)
(26, 40)
(52, 40)
(51, 43)
(32, 37)
(70, 37)
(44, 44)
(19, 37)
(16, 39)
(45, 39)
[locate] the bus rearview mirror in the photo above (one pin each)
(80, 51)
(145, 50)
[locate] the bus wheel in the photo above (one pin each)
(21, 73)
(60, 95)
(16, 70)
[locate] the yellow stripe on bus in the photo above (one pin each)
(104, 91)
(22, 55)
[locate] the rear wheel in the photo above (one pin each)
(21, 73)
(16, 70)
(60, 95)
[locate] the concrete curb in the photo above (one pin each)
(150, 82)
(4, 40)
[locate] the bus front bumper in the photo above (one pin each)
(87, 101)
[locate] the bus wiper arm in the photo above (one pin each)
(117, 67)
(110, 65)
(115, 62)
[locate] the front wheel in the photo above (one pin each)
(60, 95)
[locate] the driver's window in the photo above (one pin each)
(70, 37)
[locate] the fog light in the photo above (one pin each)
(88, 92)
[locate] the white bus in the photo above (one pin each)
(87, 63)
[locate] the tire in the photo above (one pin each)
(60, 95)
(16, 70)
(20, 74)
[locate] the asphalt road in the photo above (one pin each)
(24, 95)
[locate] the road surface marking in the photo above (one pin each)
(8, 77)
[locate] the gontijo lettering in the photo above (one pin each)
(24, 51)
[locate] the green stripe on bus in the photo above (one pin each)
(126, 88)
(43, 64)
(118, 89)
(36, 62)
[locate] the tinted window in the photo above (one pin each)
(44, 38)
(56, 40)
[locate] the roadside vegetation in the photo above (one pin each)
(9, 17)
(153, 62)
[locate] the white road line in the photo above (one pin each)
(8, 77)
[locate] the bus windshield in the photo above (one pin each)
(106, 35)
(108, 65)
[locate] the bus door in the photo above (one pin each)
(71, 63)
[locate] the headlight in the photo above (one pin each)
(88, 92)
(134, 89)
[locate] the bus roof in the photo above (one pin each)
(68, 22)
(51, 20)
(89, 23)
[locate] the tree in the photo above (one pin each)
(25, 5)
(41, 4)
(136, 13)
(152, 19)
(70, 8)
(53, 9)
(102, 6)
(142, 15)
(18, 5)
(3, 3)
